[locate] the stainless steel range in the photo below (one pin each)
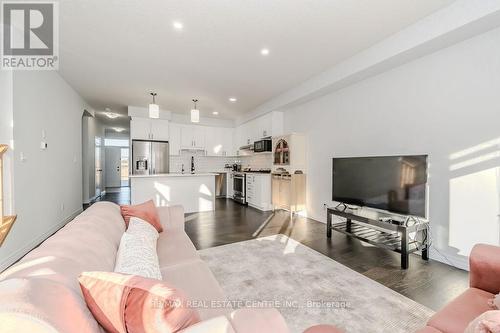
(239, 187)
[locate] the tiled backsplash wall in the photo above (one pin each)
(204, 163)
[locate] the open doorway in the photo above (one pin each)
(117, 164)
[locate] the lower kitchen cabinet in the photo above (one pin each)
(258, 191)
(229, 184)
(289, 192)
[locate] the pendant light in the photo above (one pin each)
(154, 109)
(195, 113)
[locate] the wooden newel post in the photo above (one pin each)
(6, 222)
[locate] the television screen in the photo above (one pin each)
(393, 183)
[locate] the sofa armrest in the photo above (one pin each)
(484, 263)
(172, 218)
(258, 320)
(214, 325)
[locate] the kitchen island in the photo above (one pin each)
(196, 192)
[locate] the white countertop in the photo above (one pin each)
(187, 174)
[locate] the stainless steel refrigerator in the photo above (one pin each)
(150, 157)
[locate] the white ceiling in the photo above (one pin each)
(114, 52)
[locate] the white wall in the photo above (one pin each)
(91, 128)
(441, 104)
(7, 137)
(48, 183)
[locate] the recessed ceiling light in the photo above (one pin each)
(264, 52)
(232, 99)
(177, 25)
(118, 129)
(215, 113)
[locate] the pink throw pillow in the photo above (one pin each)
(132, 304)
(146, 211)
(487, 322)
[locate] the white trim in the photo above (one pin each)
(37, 241)
(453, 259)
(88, 201)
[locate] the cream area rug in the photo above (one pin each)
(309, 288)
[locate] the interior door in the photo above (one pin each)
(113, 166)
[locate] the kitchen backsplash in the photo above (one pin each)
(204, 163)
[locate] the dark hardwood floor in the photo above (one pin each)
(430, 283)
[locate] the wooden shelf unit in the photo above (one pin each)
(6, 222)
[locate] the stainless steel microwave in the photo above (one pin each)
(263, 145)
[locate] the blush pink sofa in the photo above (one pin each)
(41, 292)
(484, 284)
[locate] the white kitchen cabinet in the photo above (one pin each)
(268, 125)
(262, 127)
(193, 136)
(229, 185)
(175, 139)
(289, 152)
(219, 141)
(160, 129)
(227, 139)
(149, 129)
(140, 129)
(258, 191)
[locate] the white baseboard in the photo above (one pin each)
(449, 258)
(4, 264)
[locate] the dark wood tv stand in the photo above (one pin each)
(366, 225)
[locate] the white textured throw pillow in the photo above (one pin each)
(137, 252)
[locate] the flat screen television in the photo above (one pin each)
(396, 184)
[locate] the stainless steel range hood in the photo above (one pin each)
(247, 147)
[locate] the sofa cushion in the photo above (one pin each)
(128, 303)
(137, 252)
(488, 322)
(175, 247)
(41, 305)
(89, 242)
(145, 211)
(195, 279)
(455, 316)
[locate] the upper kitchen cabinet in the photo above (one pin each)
(159, 129)
(149, 129)
(140, 128)
(289, 152)
(175, 139)
(268, 125)
(193, 137)
(219, 141)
